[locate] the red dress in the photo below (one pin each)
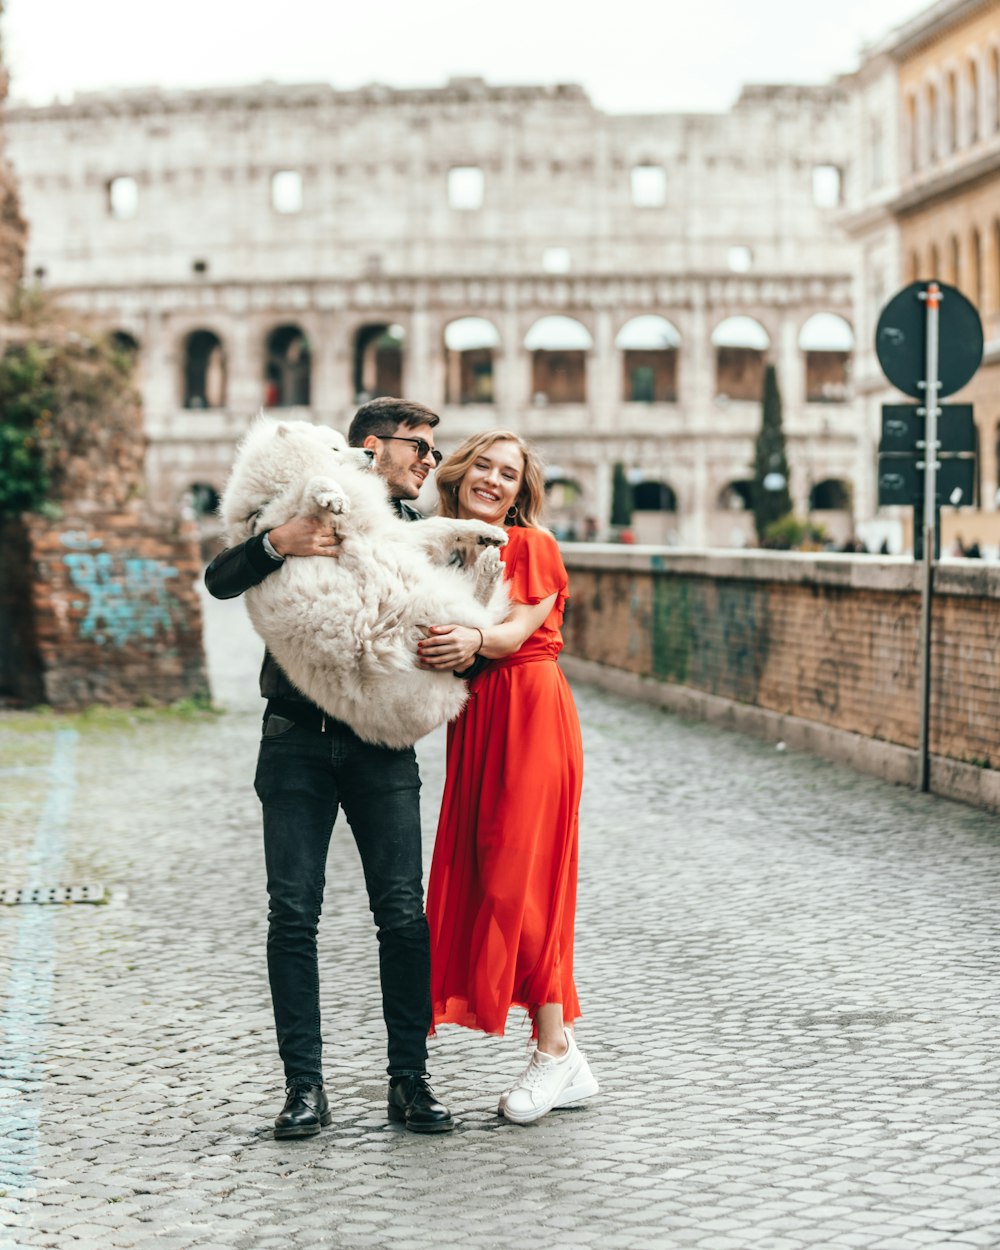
(501, 898)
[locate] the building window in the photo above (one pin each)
(739, 259)
(950, 114)
(830, 495)
(653, 496)
(287, 368)
(199, 266)
(649, 360)
(123, 198)
(378, 361)
(469, 346)
(465, 187)
(826, 186)
(559, 347)
(741, 344)
(556, 260)
(286, 191)
(972, 113)
(649, 186)
(912, 137)
(827, 342)
(204, 370)
(876, 155)
(933, 123)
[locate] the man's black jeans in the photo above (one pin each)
(303, 776)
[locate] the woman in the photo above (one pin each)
(502, 892)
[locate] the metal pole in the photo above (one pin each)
(932, 296)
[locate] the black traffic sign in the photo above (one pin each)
(901, 340)
(900, 482)
(903, 428)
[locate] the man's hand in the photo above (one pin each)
(449, 647)
(305, 536)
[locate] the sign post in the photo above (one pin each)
(929, 342)
(932, 297)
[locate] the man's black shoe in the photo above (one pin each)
(306, 1110)
(412, 1102)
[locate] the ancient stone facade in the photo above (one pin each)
(925, 115)
(607, 285)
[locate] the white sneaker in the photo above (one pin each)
(548, 1082)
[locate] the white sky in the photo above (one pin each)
(631, 55)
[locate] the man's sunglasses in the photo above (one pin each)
(421, 444)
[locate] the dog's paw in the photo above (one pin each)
(494, 537)
(332, 500)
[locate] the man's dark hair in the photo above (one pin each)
(383, 417)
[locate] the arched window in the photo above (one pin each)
(564, 499)
(649, 360)
(204, 370)
(933, 123)
(827, 341)
(736, 497)
(972, 128)
(954, 261)
(378, 361)
(653, 497)
(204, 499)
(559, 347)
(287, 368)
(469, 346)
(950, 113)
(830, 496)
(912, 137)
(122, 341)
(995, 86)
(740, 346)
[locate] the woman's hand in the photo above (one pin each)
(305, 536)
(449, 647)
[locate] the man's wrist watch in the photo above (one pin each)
(269, 548)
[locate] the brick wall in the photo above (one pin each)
(99, 607)
(819, 650)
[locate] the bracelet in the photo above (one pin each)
(482, 640)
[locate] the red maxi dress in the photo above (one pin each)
(501, 898)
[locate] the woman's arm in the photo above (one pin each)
(453, 646)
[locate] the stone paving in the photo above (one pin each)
(788, 972)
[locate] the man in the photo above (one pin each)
(309, 766)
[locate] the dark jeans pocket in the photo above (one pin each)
(274, 726)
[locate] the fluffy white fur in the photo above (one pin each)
(345, 629)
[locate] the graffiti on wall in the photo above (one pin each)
(711, 635)
(126, 598)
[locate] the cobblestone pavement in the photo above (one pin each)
(788, 972)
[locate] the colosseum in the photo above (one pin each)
(609, 286)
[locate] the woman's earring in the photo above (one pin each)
(511, 516)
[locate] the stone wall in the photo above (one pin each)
(821, 652)
(99, 607)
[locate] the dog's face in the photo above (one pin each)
(306, 435)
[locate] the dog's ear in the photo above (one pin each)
(281, 429)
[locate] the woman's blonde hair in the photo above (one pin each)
(531, 496)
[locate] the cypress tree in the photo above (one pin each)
(621, 498)
(773, 501)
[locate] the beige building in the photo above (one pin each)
(609, 286)
(926, 203)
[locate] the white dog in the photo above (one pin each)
(344, 629)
